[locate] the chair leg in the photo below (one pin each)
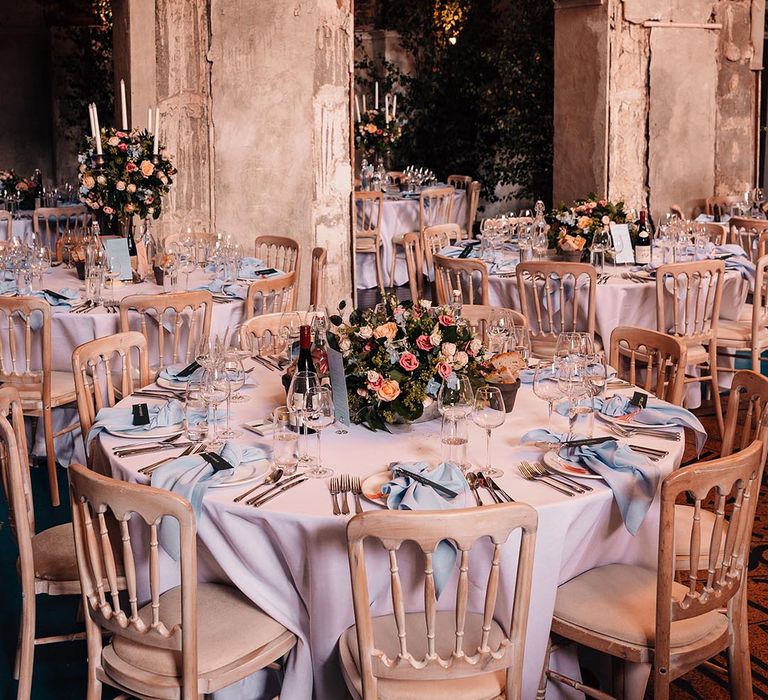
(53, 481)
(25, 655)
(93, 642)
(379, 272)
(739, 661)
(636, 680)
(541, 693)
(716, 390)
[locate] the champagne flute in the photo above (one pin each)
(319, 415)
(296, 401)
(489, 413)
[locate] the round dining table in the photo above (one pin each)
(289, 556)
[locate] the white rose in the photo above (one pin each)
(131, 188)
(120, 185)
(345, 344)
(372, 376)
(475, 345)
(460, 360)
(436, 337)
(365, 332)
(425, 303)
(101, 180)
(362, 392)
(449, 349)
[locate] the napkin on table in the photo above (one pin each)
(236, 291)
(190, 477)
(121, 418)
(170, 373)
(404, 493)
(632, 477)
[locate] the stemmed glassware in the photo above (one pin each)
(297, 400)
(546, 385)
(520, 339)
(195, 412)
(285, 453)
(233, 366)
(573, 344)
(575, 386)
(489, 413)
(112, 272)
(289, 331)
(67, 241)
(216, 389)
(319, 415)
(455, 401)
(500, 326)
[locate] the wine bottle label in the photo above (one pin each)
(643, 254)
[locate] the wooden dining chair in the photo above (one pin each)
(317, 278)
(49, 224)
(473, 200)
(185, 642)
(459, 182)
(280, 252)
(106, 371)
(556, 297)
(433, 240)
(470, 277)
(260, 335)
(7, 218)
(478, 316)
(746, 232)
(725, 204)
(749, 334)
(455, 652)
(651, 360)
(413, 258)
(435, 207)
(716, 233)
(694, 291)
(677, 210)
(26, 343)
(46, 563)
(368, 207)
(653, 623)
(271, 295)
(178, 321)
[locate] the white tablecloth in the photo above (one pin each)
(290, 557)
(400, 216)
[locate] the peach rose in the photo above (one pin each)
(445, 320)
(584, 222)
(444, 369)
(385, 330)
(408, 361)
(389, 390)
(113, 141)
(120, 185)
(146, 168)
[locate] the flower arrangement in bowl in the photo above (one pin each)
(572, 227)
(397, 355)
(131, 181)
(376, 134)
(22, 188)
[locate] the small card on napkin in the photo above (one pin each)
(216, 461)
(189, 369)
(639, 399)
(140, 414)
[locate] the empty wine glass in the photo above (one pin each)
(67, 241)
(546, 386)
(216, 390)
(195, 412)
(233, 365)
(520, 339)
(112, 272)
(489, 413)
(296, 401)
(455, 399)
(319, 415)
(498, 329)
(290, 322)
(575, 385)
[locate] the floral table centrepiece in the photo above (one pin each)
(23, 188)
(127, 180)
(572, 227)
(397, 355)
(376, 133)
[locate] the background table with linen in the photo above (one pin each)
(290, 556)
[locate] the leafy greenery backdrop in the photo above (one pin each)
(482, 105)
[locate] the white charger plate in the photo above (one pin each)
(245, 473)
(371, 487)
(563, 466)
(153, 434)
(171, 383)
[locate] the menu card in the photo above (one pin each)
(117, 248)
(620, 233)
(338, 385)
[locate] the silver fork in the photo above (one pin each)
(333, 488)
(344, 485)
(649, 432)
(527, 472)
(543, 470)
(357, 490)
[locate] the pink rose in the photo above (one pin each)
(408, 361)
(121, 134)
(123, 146)
(445, 320)
(131, 166)
(422, 342)
(375, 380)
(444, 369)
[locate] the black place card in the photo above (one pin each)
(216, 461)
(140, 414)
(465, 252)
(189, 369)
(267, 271)
(55, 295)
(639, 399)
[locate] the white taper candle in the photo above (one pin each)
(357, 108)
(386, 109)
(90, 118)
(149, 120)
(123, 105)
(376, 96)
(364, 108)
(394, 106)
(98, 129)
(157, 127)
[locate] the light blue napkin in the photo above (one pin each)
(452, 251)
(632, 477)
(119, 418)
(236, 291)
(170, 373)
(7, 287)
(70, 294)
(656, 412)
(744, 265)
(502, 266)
(730, 249)
(404, 493)
(190, 477)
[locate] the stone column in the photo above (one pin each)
(655, 102)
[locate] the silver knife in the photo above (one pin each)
(269, 497)
(275, 487)
(131, 451)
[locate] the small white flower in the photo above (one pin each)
(362, 392)
(425, 303)
(365, 332)
(101, 180)
(475, 345)
(436, 337)
(120, 185)
(131, 188)
(372, 376)
(460, 359)
(448, 349)
(345, 344)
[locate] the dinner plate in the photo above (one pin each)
(371, 487)
(245, 473)
(563, 466)
(171, 383)
(161, 432)
(629, 423)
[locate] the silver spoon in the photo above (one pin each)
(272, 478)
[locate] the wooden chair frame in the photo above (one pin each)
(260, 335)
(278, 294)
(455, 273)
(720, 201)
(6, 216)
(697, 325)
(652, 360)
(473, 200)
(367, 208)
(47, 221)
(536, 285)
(280, 252)
(433, 240)
(160, 304)
(317, 278)
(94, 369)
(427, 528)
(747, 233)
(478, 316)
(459, 182)
(413, 255)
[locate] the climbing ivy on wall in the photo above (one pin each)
(480, 98)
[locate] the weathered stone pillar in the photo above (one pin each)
(655, 102)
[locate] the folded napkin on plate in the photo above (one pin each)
(171, 371)
(633, 478)
(656, 412)
(121, 418)
(236, 291)
(68, 293)
(502, 266)
(452, 251)
(405, 493)
(190, 477)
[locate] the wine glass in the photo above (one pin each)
(290, 321)
(500, 325)
(573, 345)
(521, 342)
(546, 385)
(195, 412)
(455, 399)
(206, 352)
(319, 415)
(296, 401)
(67, 241)
(617, 248)
(285, 453)
(112, 272)
(524, 240)
(233, 366)
(216, 390)
(596, 374)
(489, 413)
(572, 377)
(601, 242)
